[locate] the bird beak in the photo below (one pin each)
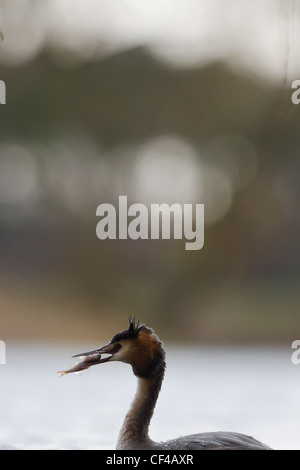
(109, 349)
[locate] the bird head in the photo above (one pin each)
(138, 346)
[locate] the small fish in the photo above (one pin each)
(87, 362)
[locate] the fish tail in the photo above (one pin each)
(61, 372)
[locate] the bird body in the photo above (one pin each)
(141, 348)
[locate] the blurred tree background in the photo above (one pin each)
(88, 119)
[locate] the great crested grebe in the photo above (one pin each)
(141, 348)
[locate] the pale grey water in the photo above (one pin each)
(253, 391)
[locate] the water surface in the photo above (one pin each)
(253, 391)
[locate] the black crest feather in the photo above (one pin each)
(133, 330)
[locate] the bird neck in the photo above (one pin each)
(134, 431)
